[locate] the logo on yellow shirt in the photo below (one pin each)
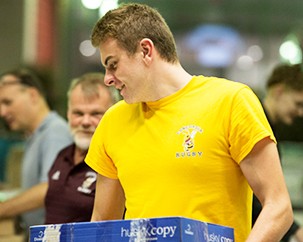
(189, 132)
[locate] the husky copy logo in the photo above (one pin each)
(218, 238)
(143, 230)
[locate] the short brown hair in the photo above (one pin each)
(89, 83)
(289, 75)
(132, 22)
(28, 78)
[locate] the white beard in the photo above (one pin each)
(82, 142)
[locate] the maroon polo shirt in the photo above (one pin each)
(71, 192)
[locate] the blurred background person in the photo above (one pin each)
(24, 108)
(70, 178)
(68, 195)
(283, 102)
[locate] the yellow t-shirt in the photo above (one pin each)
(180, 156)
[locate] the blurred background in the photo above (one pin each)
(239, 40)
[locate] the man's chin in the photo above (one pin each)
(82, 135)
(288, 121)
(12, 127)
(82, 142)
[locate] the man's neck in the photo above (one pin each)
(39, 118)
(79, 155)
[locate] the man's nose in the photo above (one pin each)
(86, 120)
(109, 79)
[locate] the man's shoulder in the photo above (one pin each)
(219, 86)
(67, 151)
(219, 81)
(55, 127)
(55, 121)
(55, 118)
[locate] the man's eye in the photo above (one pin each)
(77, 113)
(299, 104)
(98, 114)
(113, 66)
(7, 102)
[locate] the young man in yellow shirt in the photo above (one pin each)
(180, 145)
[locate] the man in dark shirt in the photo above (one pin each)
(283, 103)
(68, 196)
(71, 190)
(70, 179)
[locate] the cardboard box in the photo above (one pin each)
(173, 229)
(12, 238)
(7, 227)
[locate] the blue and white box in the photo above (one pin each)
(166, 229)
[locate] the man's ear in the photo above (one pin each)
(278, 90)
(147, 49)
(33, 92)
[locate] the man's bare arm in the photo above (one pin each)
(28, 200)
(262, 169)
(109, 200)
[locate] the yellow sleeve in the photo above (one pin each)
(97, 157)
(248, 124)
